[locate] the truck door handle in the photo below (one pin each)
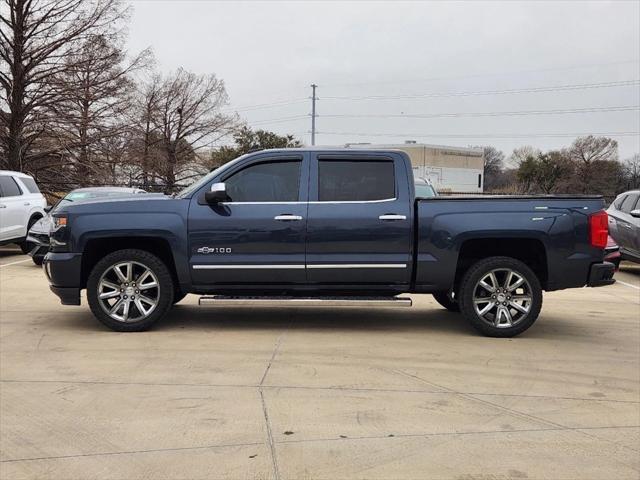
(286, 217)
(26, 204)
(392, 216)
(3, 206)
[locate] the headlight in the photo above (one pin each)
(58, 237)
(59, 221)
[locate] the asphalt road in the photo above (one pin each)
(285, 393)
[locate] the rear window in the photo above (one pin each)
(30, 184)
(424, 191)
(9, 187)
(618, 202)
(343, 180)
(629, 203)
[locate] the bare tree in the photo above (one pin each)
(632, 172)
(525, 160)
(589, 154)
(523, 153)
(551, 169)
(188, 118)
(37, 37)
(493, 166)
(146, 145)
(97, 90)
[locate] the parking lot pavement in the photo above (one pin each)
(318, 393)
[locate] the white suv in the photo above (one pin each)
(21, 205)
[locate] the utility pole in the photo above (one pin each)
(313, 113)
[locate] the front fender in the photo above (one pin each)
(167, 226)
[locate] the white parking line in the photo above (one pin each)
(14, 263)
(628, 284)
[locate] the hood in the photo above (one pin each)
(133, 197)
(134, 203)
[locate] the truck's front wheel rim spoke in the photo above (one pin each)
(502, 297)
(128, 291)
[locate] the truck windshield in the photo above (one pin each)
(187, 191)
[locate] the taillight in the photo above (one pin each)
(598, 229)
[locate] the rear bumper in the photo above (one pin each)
(601, 274)
(64, 273)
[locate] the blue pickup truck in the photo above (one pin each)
(325, 227)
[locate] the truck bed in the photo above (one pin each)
(552, 227)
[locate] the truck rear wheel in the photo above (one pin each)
(500, 296)
(129, 290)
(445, 299)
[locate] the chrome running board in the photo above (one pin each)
(275, 301)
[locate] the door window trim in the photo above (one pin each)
(353, 158)
(267, 159)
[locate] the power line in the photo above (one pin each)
(485, 135)
(622, 108)
(554, 88)
(279, 120)
(259, 106)
(481, 75)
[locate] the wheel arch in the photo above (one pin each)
(531, 251)
(96, 248)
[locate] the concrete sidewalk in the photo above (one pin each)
(318, 393)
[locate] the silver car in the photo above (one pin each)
(624, 224)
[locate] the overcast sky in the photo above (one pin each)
(270, 52)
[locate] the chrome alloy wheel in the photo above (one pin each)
(502, 298)
(128, 291)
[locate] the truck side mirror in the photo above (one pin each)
(635, 213)
(218, 193)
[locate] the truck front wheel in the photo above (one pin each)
(500, 296)
(129, 290)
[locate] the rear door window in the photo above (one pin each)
(30, 184)
(360, 180)
(9, 187)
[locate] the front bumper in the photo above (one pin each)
(64, 271)
(40, 244)
(601, 274)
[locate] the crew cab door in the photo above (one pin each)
(359, 229)
(258, 235)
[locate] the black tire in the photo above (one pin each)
(149, 261)
(444, 299)
(25, 246)
(38, 259)
(482, 268)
